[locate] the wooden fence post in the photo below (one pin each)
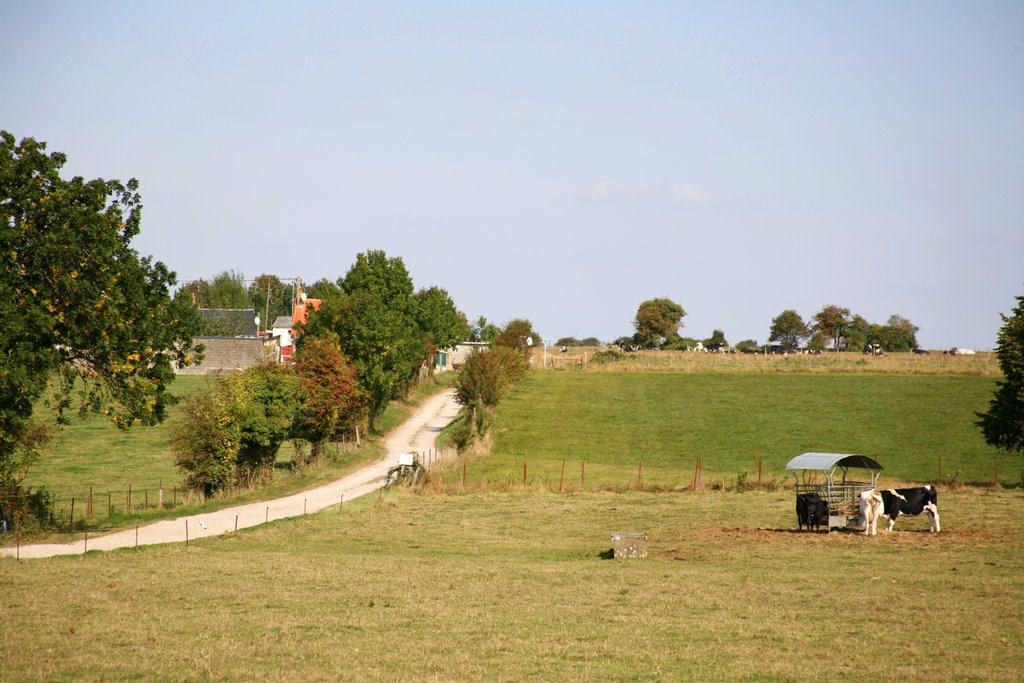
(524, 474)
(561, 479)
(759, 472)
(129, 499)
(85, 547)
(186, 533)
(71, 521)
(136, 536)
(110, 507)
(88, 509)
(463, 474)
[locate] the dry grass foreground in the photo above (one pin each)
(514, 586)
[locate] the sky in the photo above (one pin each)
(560, 161)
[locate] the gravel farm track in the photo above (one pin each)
(418, 434)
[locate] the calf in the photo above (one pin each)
(911, 502)
(871, 506)
(811, 509)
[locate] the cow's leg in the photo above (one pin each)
(934, 513)
(892, 521)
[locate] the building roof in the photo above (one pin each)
(828, 461)
(282, 322)
(229, 322)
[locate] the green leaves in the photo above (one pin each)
(76, 297)
(1003, 424)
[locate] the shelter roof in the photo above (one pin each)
(827, 461)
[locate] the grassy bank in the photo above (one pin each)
(514, 586)
(605, 424)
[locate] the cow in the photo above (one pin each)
(911, 502)
(895, 502)
(871, 506)
(811, 509)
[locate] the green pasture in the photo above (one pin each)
(603, 425)
(515, 586)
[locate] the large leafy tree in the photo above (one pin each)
(78, 303)
(330, 399)
(657, 322)
(372, 315)
(441, 323)
(788, 330)
(832, 322)
(1003, 424)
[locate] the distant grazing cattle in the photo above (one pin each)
(871, 506)
(911, 502)
(811, 509)
(895, 502)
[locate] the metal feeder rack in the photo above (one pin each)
(842, 495)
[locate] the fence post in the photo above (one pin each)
(129, 499)
(71, 519)
(136, 536)
(85, 547)
(524, 474)
(88, 509)
(463, 474)
(174, 502)
(186, 533)
(236, 521)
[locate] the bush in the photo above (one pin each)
(486, 375)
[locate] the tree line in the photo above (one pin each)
(658, 321)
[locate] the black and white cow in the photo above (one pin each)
(895, 502)
(811, 509)
(911, 502)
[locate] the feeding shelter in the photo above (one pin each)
(839, 490)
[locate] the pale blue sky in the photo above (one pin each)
(561, 161)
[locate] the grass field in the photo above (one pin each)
(514, 586)
(93, 453)
(605, 424)
(503, 581)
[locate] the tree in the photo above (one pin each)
(515, 335)
(788, 330)
(330, 399)
(832, 322)
(260, 404)
(716, 340)
(270, 298)
(1003, 424)
(79, 305)
(441, 323)
(483, 331)
(657, 322)
(898, 334)
(487, 374)
(858, 333)
(747, 346)
(373, 317)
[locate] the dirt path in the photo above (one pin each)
(416, 434)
